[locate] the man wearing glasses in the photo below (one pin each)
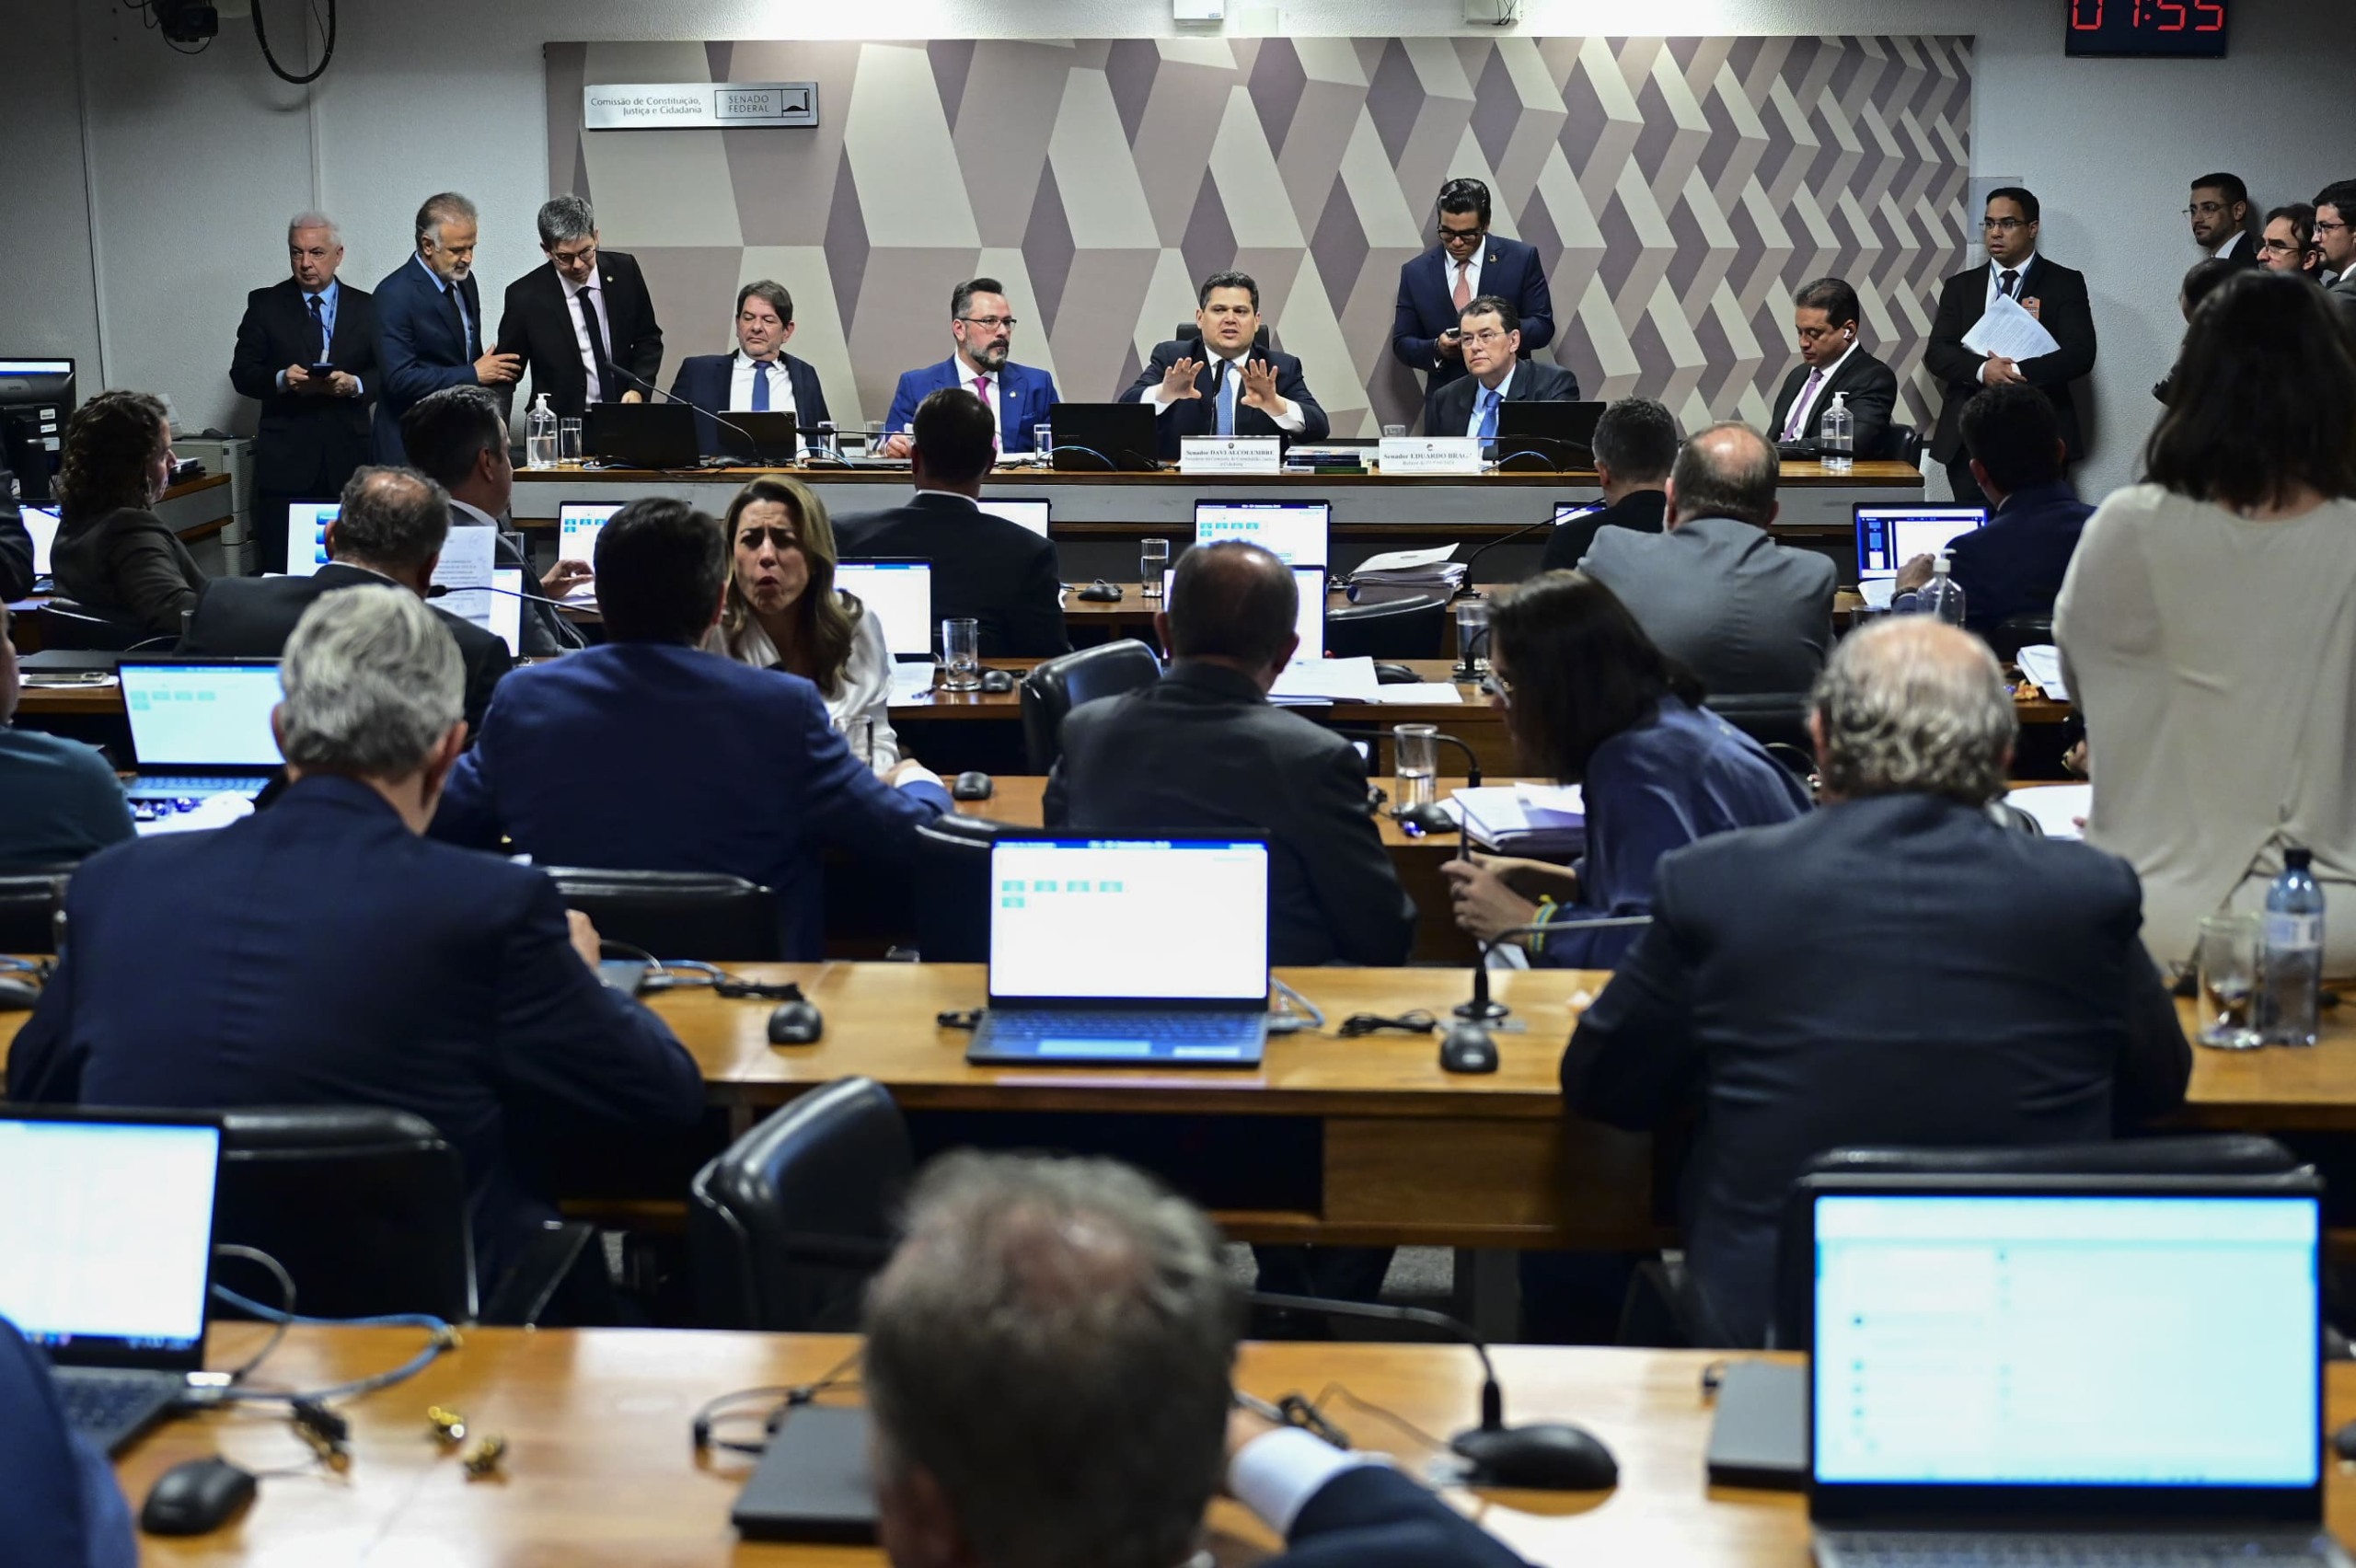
(1825, 315)
(981, 322)
(1468, 263)
(584, 324)
(2288, 242)
(2054, 295)
(1489, 333)
(2335, 211)
(2220, 214)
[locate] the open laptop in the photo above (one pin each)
(1104, 437)
(642, 436)
(1546, 437)
(1141, 952)
(40, 523)
(1889, 536)
(578, 524)
(1294, 531)
(1030, 514)
(108, 1234)
(199, 726)
(1308, 622)
(899, 594)
(766, 436)
(307, 535)
(2073, 1370)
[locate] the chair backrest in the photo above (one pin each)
(2009, 636)
(722, 920)
(1771, 718)
(2221, 1154)
(953, 888)
(31, 903)
(831, 1166)
(1059, 686)
(366, 1209)
(1902, 442)
(1191, 330)
(1412, 628)
(66, 625)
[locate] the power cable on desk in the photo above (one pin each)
(666, 976)
(1359, 1025)
(788, 1398)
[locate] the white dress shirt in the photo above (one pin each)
(987, 392)
(1996, 271)
(1287, 416)
(1804, 404)
(867, 680)
(1277, 1473)
(2229, 248)
(596, 292)
(1473, 419)
(740, 385)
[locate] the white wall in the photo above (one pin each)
(196, 163)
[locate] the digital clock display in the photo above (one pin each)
(2186, 28)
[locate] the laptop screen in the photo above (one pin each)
(1031, 515)
(307, 535)
(900, 594)
(1889, 536)
(193, 713)
(1294, 530)
(578, 524)
(1308, 622)
(1102, 919)
(108, 1234)
(2060, 1340)
(40, 522)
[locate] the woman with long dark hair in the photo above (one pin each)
(113, 554)
(1590, 700)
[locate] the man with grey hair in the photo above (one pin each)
(323, 952)
(582, 324)
(429, 321)
(306, 352)
(390, 528)
(1716, 592)
(1048, 1365)
(1899, 967)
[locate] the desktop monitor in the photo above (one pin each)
(35, 400)
(1889, 536)
(899, 594)
(307, 535)
(578, 524)
(1295, 531)
(40, 522)
(1030, 513)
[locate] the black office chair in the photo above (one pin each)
(1777, 719)
(30, 904)
(721, 919)
(1059, 686)
(1191, 330)
(786, 1224)
(1900, 443)
(68, 626)
(2009, 636)
(366, 1209)
(953, 888)
(1411, 628)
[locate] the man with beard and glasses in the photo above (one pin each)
(981, 322)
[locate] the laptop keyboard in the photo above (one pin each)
(1912, 1549)
(107, 1409)
(167, 785)
(1211, 1026)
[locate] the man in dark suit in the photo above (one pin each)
(2015, 565)
(981, 322)
(390, 528)
(1232, 388)
(321, 952)
(429, 322)
(61, 1507)
(1203, 749)
(984, 567)
(1491, 343)
(2220, 214)
(1716, 592)
(2054, 295)
(1635, 444)
(456, 439)
(2024, 1009)
(760, 377)
(2335, 241)
(584, 325)
(2287, 244)
(1048, 1365)
(314, 428)
(1834, 364)
(647, 753)
(1427, 329)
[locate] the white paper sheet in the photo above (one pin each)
(1406, 560)
(1418, 691)
(2010, 332)
(1339, 680)
(2056, 807)
(1878, 591)
(466, 559)
(2041, 663)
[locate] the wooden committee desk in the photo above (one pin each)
(600, 1473)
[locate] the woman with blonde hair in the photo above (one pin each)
(785, 613)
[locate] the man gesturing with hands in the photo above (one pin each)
(1225, 384)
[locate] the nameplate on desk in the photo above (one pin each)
(1430, 454)
(1231, 455)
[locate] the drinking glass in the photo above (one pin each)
(1414, 750)
(1153, 560)
(2228, 963)
(1043, 444)
(961, 654)
(1471, 635)
(875, 438)
(568, 443)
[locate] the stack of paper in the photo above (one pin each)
(2058, 808)
(2041, 663)
(1428, 569)
(1543, 821)
(1327, 680)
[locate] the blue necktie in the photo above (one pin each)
(1225, 392)
(760, 386)
(319, 321)
(1490, 397)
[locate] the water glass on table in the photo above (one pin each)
(1471, 636)
(2228, 964)
(961, 654)
(1414, 751)
(568, 443)
(1153, 560)
(1042, 445)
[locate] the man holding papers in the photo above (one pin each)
(2020, 318)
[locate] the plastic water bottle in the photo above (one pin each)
(539, 434)
(1837, 435)
(2291, 954)
(1942, 596)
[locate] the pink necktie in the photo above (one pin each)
(1800, 403)
(1463, 287)
(982, 390)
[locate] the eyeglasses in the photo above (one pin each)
(1460, 236)
(2203, 209)
(585, 256)
(990, 323)
(2005, 225)
(2323, 227)
(1486, 337)
(2280, 247)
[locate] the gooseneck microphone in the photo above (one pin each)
(1481, 1008)
(1501, 539)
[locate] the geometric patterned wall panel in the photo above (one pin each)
(1678, 188)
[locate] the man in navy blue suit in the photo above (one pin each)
(60, 1507)
(429, 323)
(981, 320)
(1048, 1369)
(322, 952)
(1491, 337)
(760, 377)
(1221, 383)
(1469, 261)
(648, 754)
(2014, 565)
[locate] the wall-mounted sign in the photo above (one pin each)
(677, 106)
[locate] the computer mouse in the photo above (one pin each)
(1430, 817)
(998, 680)
(1467, 1048)
(196, 1497)
(18, 996)
(2343, 1442)
(1099, 591)
(796, 1022)
(1395, 674)
(1545, 1456)
(971, 786)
